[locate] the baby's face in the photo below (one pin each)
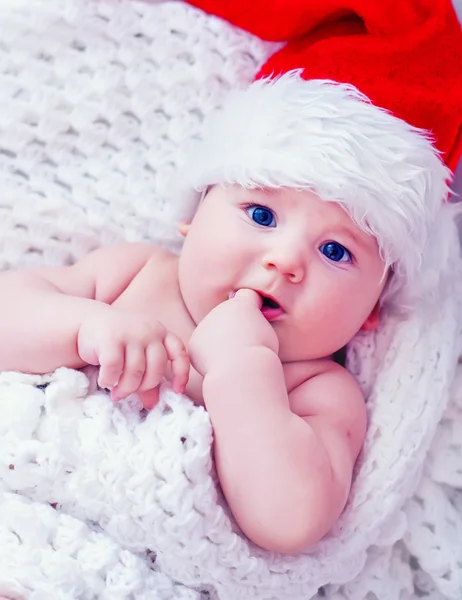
(319, 274)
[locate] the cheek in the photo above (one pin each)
(201, 238)
(206, 256)
(217, 241)
(206, 264)
(343, 307)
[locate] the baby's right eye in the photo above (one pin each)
(262, 215)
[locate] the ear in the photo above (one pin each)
(373, 320)
(183, 228)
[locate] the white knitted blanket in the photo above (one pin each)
(99, 101)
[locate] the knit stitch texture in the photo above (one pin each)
(99, 103)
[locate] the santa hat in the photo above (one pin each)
(363, 105)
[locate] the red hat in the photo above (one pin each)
(363, 105)
(404, 55)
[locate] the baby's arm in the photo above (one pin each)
(285, 463)
(41, 310)
(285, 475)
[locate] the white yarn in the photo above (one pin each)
(98, 105)
(48, 555)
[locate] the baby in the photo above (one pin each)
(281, 266)
(269, 284)
(316, 211)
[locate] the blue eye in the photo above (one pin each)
(336, 252)
(261, 215)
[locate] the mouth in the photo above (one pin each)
(270, 308)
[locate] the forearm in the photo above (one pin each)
(39, 324)
(275, 473)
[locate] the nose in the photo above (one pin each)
(288, 261)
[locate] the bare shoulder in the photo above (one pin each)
(330, 399)
(104, 273)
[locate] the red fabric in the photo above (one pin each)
(405, 55)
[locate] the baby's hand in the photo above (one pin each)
(133, 351)
(230, 328)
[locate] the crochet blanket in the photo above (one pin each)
(99, 101)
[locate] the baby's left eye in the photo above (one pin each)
(336, 252)
(262, 215)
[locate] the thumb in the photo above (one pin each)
(249, 296)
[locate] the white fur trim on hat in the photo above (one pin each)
(329, 138)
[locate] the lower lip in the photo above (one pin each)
(271, 314)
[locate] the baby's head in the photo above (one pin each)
(352, 191)
(320, 276)
(325, 159)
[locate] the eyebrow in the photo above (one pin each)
(359, 241)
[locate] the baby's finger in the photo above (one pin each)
(111, 362)
(179, 358)
(149, 398)
(249, 296)
(134, 369)
(156, 367)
